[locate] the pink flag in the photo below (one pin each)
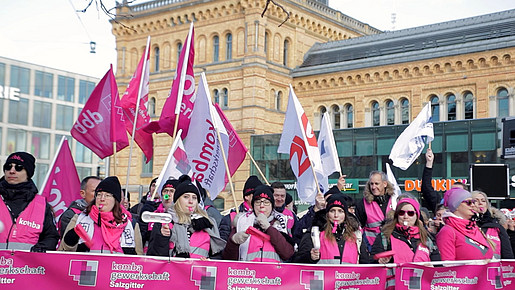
(62, 185)
(100, 123)
(237, 150)
(182, 93)
(129, 102)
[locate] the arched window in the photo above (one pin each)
(267, 37)
(435, 108)
(285, 52)
(336, 116)
(468, 100)
(179, 48)
(404, 111)
(151, 106)
(278, 100)
(349, 110)
(375, 114)
(156, 59)
(503, 107)
(228, 47)
(216, 97)
(225, 98)
(390, 113)
(216, 48)
(321, 112)
(451, 107)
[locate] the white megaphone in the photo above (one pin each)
(315, 237)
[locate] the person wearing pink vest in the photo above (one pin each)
(104, 226)
(280, 196)
(259, 235)
(28, 219)
(341, 241)
(191, 234)
(371, 210)
(491, 226)
(461, 238)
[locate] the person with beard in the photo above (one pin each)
(341, 241)
(491, 226)
(259, 236)
(460, 238)
(28, 219)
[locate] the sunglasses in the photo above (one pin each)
(469, 202)
(17, 167)
(409, 212)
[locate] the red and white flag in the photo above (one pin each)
(62, 184)
(138, 87)
(100, 123)
(237, 150)
(202, 144)
(182, 96)
(299, 141)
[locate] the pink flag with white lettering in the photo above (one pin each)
(182, 94)
(62, 185)
(100, 123)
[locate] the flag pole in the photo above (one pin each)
(227, 171)
(136, 113)
(182, 81)
(257, 167)
(114, 157)
(175, 144)
(52, 165)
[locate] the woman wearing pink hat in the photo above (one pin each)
(461, 238)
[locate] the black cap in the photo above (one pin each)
(263, 191)
(336, 200)
(185, 187)
(251, 184)
(25, 159)
(111, 185)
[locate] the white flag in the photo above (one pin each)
(176, 164)
(299, 141)
(413, 139)
(396, 188)
(202, 146)
(327, 146)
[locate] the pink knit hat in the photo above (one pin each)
(454, 196)
(411, 201)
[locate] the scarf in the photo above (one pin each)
(467, 228)
(111, 231)
(408, 232)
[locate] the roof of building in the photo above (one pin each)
(474, 34)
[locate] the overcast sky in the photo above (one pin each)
(51, 33)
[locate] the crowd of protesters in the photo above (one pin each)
(181, 221)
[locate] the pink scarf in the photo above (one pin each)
(111, 232)
(409, 232)
(467, 228)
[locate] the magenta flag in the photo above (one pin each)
(182, 94)
(129, 102)
(237, 150)
(100, 123)
(62, 185)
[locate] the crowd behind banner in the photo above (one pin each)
(341, 242)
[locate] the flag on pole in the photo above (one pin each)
(413, 139)
(299, 141)
(100, 123)
(327, 146)
(138, 86)
(203, 147)
(62, 185)
(396, 189)
(237, 150)
(182, 96)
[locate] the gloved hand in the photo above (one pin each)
(240, 237)
(38, 249)
(262, 221)
(199, 222)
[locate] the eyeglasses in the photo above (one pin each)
(260, 202)
(17, 167)
(469, 202)
(104, 195)
(409, 212)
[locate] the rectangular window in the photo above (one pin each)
(147, 168)
(43, 84)
(42, 114)
(18, 111)
(40, 174)
(82, 154)
(2, 102)
(64, 118)
(57, 141)
(20, 78)
(85, 90)
(40, 146)
(65, 88)
(2, 74)
(16, 140)
(83, 172)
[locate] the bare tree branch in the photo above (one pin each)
(108, 12)
(280, 6)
